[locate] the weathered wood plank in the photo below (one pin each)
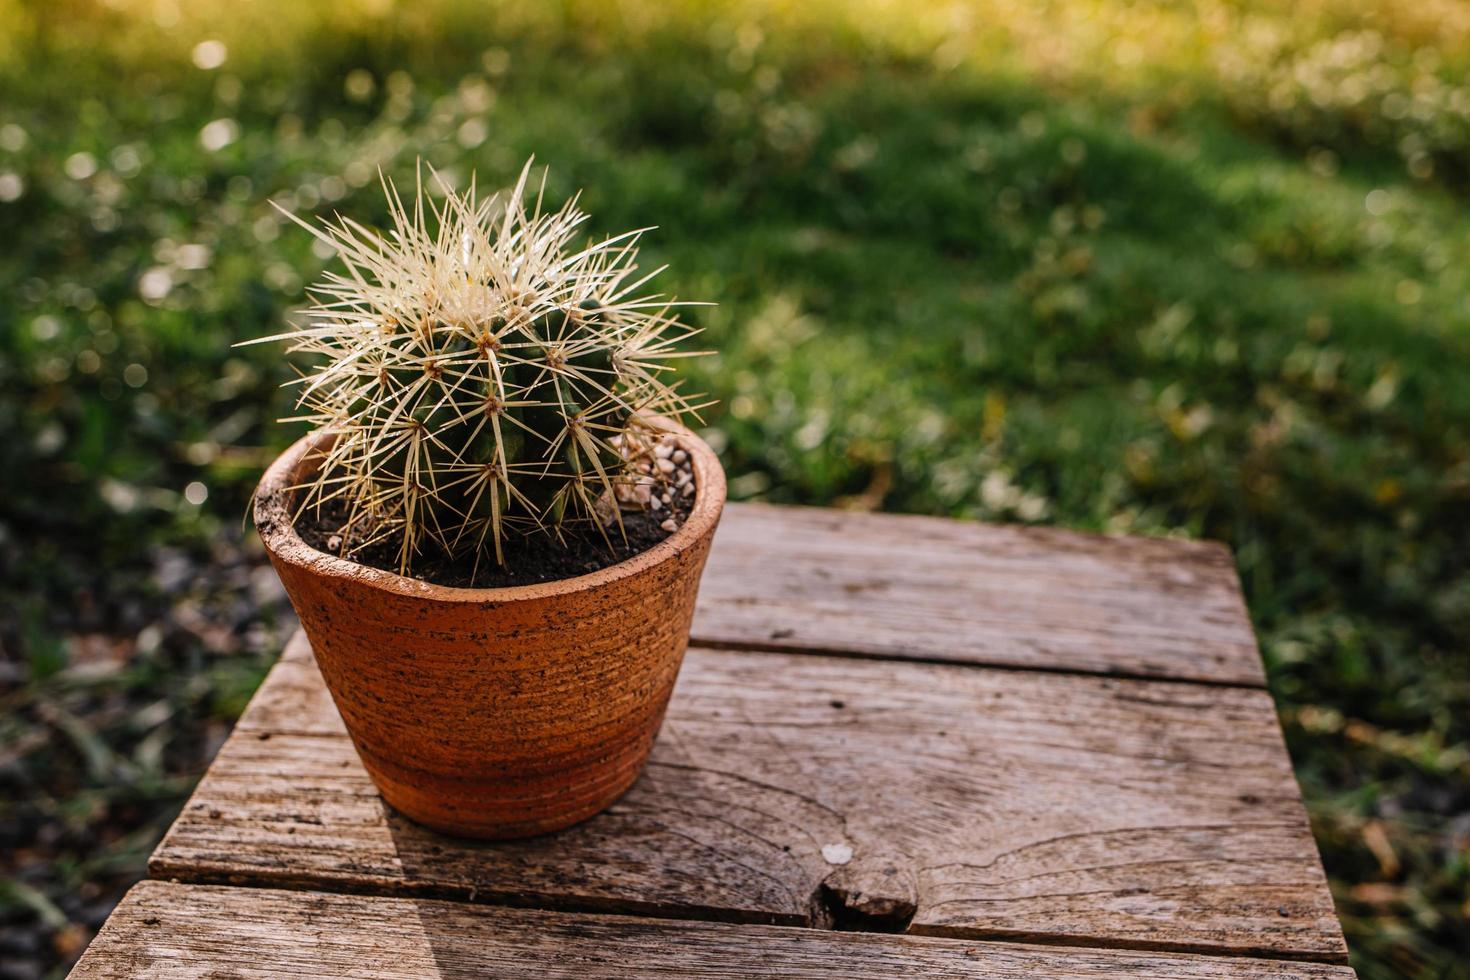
(164, 930)
(298, 648)
(975, 803)
(796, 578)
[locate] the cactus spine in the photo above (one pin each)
(486, 377)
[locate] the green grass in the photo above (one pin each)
(1168, 303)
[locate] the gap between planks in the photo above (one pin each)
(684, 914)
(941, 660)
(182, 930)
(298, 648)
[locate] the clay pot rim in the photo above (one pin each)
(272, 514)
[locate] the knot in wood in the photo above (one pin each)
(869, 895)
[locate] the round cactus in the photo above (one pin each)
(485, 376)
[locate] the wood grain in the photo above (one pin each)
(795, 578)
(976, 803)
(164, 930)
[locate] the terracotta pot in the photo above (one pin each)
(501, 712)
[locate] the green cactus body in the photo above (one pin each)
(486, 380)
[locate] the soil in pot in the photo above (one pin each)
(528, 559)
(532, 558)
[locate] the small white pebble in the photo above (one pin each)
(681, 478)
(688, 490)
(606, 509)
(670, 525)
(334, 543)
(665, 467)
(655, 503)
(836, 853)
(636, 494)
(668, 497)
(662, 450)
(679, 456)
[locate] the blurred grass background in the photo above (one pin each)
(1162, 268)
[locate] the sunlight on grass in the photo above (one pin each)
(1392, 74)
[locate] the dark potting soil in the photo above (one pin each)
(538, 557)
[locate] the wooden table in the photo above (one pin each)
(900, 746)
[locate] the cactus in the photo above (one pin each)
(485, 377)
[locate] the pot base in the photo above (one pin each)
(510, 808)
